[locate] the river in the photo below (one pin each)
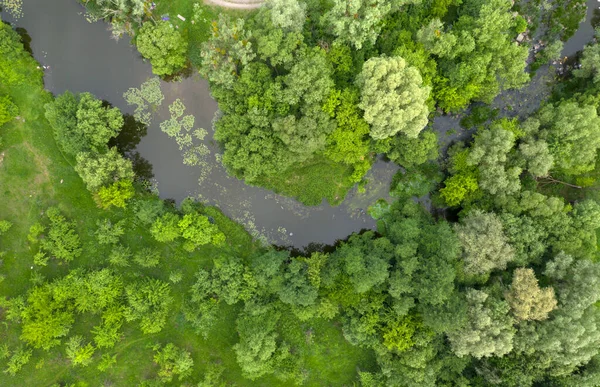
(82, 57)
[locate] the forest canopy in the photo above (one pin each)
(483, 268)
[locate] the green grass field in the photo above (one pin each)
(312, 181)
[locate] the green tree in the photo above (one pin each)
(202, 308)
(572, 132)
(116, 194)
(570, 337)
(305, 136)
(590, 60)
(410, 152)
(46, 317)
(256, 349)
(120, 256)
(277, 31)
(366, 260)
(227, 52)
(164, 46)
(231, 280)
(538, 157)
(82, 123)
(61, 241)
(16, 362)
(526, 235)
(359, 22)
(385, 85)
(296, 288)
(490, 154)
(98, 170)
(426, 254)
(166, 228)
(147, 257)
(458, 188)
(107, 334)
(527, 301)
(489, 330)
(349, 141)
(309, 80)
(11, 52)
(287, 14)
(477, 57)
(484, 244)
(108, 233)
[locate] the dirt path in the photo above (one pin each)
(236, 4)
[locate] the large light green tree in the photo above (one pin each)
(82, 123)
(527, 301)
(226, 53)
(97, 170)
(393, 97)
(484, 244)
(489, 329)
(572, 132)
(359, 22)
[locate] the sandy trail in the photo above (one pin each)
(236, 4)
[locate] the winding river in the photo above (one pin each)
(81, 56)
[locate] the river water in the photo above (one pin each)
(82, 56)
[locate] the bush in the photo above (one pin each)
(78, 353)
(147, 257)
(119, 256)
(62, 241)
(17, 361)
(5, 225)
(115, 194)
(8, 110)
(173, 361)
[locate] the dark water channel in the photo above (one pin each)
(82, 57)
(524, 102)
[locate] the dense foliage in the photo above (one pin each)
(491, 277)
(277, 75)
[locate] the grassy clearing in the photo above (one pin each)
(312, 181)
(34, 175)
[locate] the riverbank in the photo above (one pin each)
(35, 176)
(81, 56)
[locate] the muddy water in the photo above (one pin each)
(82, 56)
(585, 33)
